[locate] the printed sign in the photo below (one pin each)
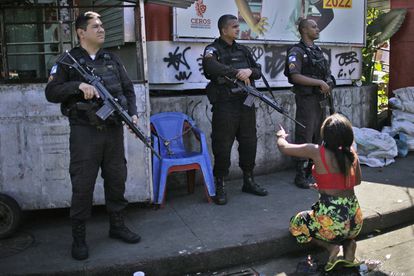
(337, 4)
(341, 22)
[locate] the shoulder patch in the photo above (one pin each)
(292, 58)
(54, 69)
(209, 51)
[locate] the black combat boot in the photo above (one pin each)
(250, 186)
(79, 247)
(118, 230)
(300, 178)
(221, 197)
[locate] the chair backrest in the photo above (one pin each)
(169, 128)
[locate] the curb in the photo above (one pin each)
(213, 260)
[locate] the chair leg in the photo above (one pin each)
(209, 199)
(208, 179)
(162, 186)
(190, 181)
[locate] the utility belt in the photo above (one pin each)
(86, 112)
(221, 90)
(303, 90)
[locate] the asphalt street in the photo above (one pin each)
(388, 253)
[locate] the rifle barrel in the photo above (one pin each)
(253, 91)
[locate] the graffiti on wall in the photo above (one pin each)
(184, 63)
(200, 65)
(348, 63)
(274, 60)
(177, 59)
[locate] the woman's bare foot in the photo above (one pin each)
(349, 250)
(333, 251)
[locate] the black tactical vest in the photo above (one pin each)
(235, 56)
(107, 69)
(315, 65)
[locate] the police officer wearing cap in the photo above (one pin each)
(308, 71)
(225, 59)
(94, 144)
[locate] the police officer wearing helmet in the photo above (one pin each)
(231, 119)
(308, 71)
(94, 144)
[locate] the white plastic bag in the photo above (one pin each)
(406, 97)
(395, 103)
(375, 149)
(400, 115)
(410, 142)
(375, 162)
(405, 94)
(402, 126)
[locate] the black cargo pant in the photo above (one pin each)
(233, 120)
(91, 149)
(310, 113)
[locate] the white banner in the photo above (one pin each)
(275, 21)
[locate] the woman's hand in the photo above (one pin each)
(281, 133)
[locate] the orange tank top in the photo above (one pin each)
(333, 181)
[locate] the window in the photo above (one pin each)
(32, 35)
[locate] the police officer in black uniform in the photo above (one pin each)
(223, 59)
(94, 143)
(308, 71)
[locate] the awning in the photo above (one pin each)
(173, 3)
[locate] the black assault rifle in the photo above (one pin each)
(332, 83)
(253, 93)
(110, 104)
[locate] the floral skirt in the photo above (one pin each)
(332, 219)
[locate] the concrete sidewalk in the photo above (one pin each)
(189, 235)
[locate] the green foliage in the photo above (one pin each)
(380, 27)
(378, 66)
(368, 52)
(383, 94)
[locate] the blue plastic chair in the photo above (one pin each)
(168, 130)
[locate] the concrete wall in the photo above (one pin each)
(34, 140)
(34, 150)
(359, 104)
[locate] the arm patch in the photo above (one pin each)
(292, 57)
(210, 51)
(54, 69)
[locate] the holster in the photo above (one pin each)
(90, 109)
(301, 90)
(212, 92)
(324, 103)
